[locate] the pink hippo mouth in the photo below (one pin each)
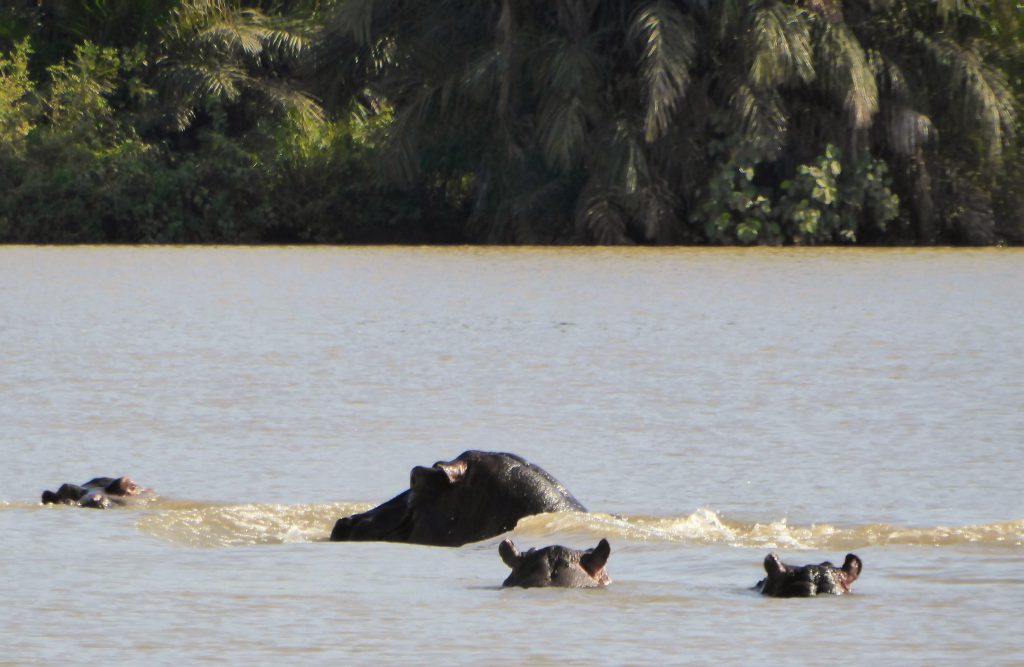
(601, 577)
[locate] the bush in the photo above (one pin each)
(822, 202)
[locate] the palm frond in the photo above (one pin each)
(626, 167)
(985, 90)
(572, 67)
(224, 36)
(563, 131)
(479, 78)
(655, 206)
(907, 130)
(950, 9)
(195, 81)
(602, 220)
(782, 47)
(289, 99)
(569, 77)
(290, 43)
(355, 18)
(667, 45)
(845, 72)
(213, 50)
(760, 116)
(412, 121)
(575, 17)
(728, 14)
(889, 77)
(221, 82)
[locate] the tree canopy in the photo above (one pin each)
(554, 121)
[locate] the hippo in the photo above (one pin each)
(98, 493)
(789, 581)
(556, 566)
(476, 496)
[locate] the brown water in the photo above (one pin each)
(708, 406)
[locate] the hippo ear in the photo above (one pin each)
(852, 566)
(594, 559)
(509, 554)
(439, 475)
(455, 470)
(773, 565)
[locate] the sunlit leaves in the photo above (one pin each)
(630, 107)
(844, 69)
(782, 50)
(985, 92)
(15, 86)
(214, 50)
(77, 98)
(762, 117)
(667, 43)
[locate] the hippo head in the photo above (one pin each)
(124, 486)
(847, 574)
(98, 493)
(473, 497)
(808, 580)
(556, 566)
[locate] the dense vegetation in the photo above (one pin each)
(537, 121)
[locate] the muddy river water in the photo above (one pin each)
(708, 406)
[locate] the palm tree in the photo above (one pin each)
(527, 101)
(611, 122)
(216, 52)
(948, 112)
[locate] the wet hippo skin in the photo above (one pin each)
(476, 496)
(556, 566)
(808, 580)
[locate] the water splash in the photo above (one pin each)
(236, 525)
(706, 527)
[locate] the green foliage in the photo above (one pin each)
(216, 52)
(109, 23)
(305, 184)
(591, 121)
(76, 102)
(735, 210)
(15, 88)
(822, 202)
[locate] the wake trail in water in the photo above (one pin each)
(239, 525)
(706, 527)
(251, 524)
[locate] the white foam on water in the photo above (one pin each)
(237, 525)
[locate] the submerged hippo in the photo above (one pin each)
(556, 566)
(99, 493)
(474, 497)
(790, 581)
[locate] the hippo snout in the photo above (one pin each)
(342, 529)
